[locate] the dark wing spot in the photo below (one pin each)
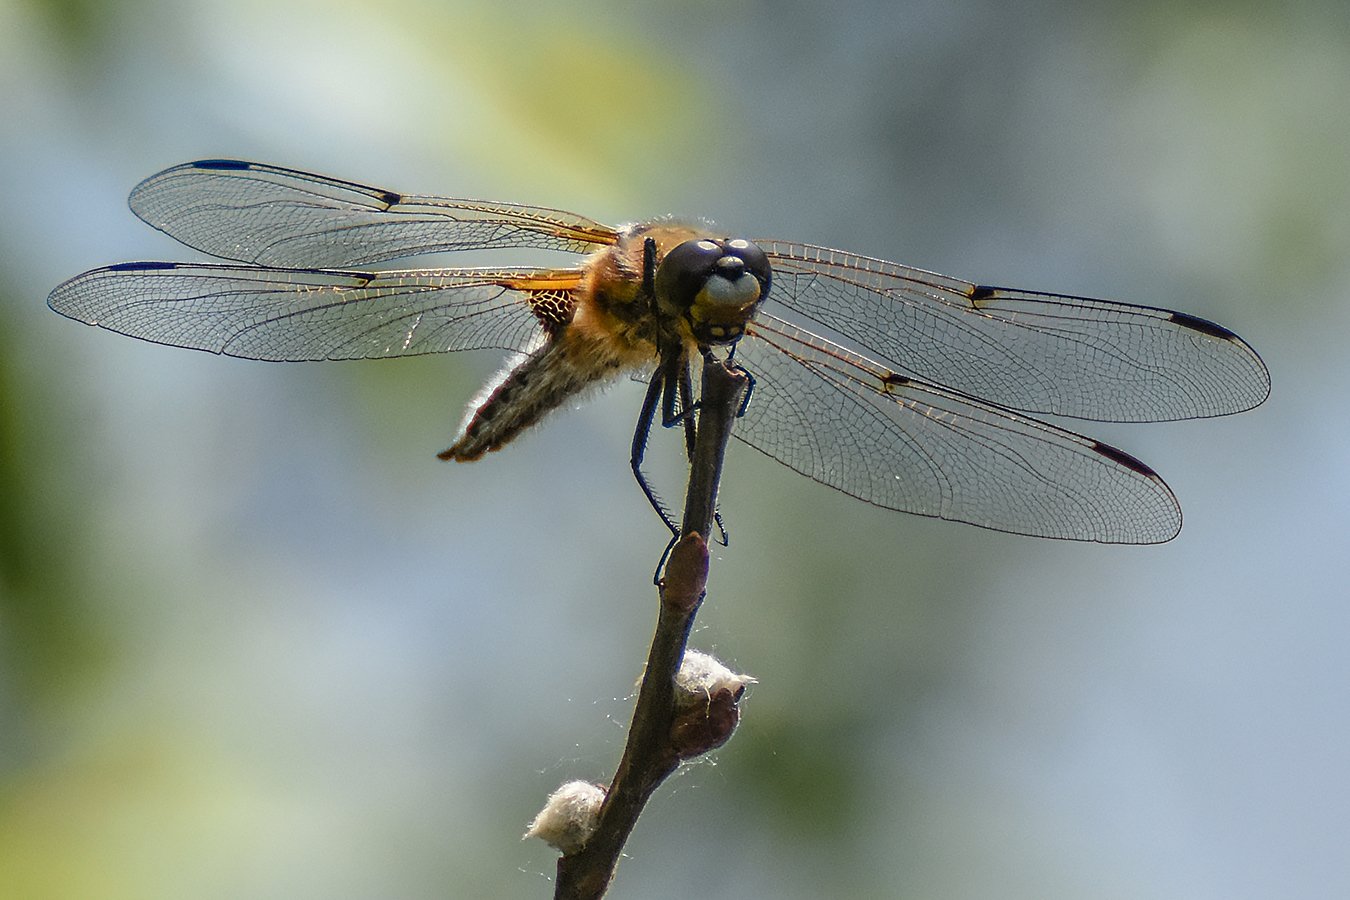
(981, 293)
(1123, 458)
(1204, 326)
(890, 379)
(390, 198)
(221, 164)
(553, 308)
(141, 266)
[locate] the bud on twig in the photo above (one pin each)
(706, 710)
(568, 818)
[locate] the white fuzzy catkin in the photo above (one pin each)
(569, 817)
(702, 675)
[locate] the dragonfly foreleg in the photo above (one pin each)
(686, 418)
(749, 381)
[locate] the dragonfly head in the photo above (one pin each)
(715, 286)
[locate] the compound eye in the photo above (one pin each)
(756, 262)
(685, 269)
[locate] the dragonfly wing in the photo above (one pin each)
(311, 314)
(1036, 352)
(902, 444)
(273, 216)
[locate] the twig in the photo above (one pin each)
(656, 740)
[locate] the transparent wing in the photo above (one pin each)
(272, 216)
(311, 314)
(1036, 352)
(901, 444)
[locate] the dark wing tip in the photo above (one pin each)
(1158, 530)
(140, 266)
(143, 205)
(1260, 373)
(219, 164)
(1204, 326)
(69, 297)
(1124, 459)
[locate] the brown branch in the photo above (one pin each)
(656, 741)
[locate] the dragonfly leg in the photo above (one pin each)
(687, 403)
(688, 406)
(670, 418)
(749, 390)
(671, 382)
(749, 383)
(656, 389)
(665, 555)
(644, 428)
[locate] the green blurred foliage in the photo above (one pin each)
(50, 641)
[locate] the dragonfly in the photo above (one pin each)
(907, 389)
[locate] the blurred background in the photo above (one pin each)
(256, 641)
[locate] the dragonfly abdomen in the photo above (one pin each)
(523, 393)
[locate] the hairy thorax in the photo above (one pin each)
(615, 326)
